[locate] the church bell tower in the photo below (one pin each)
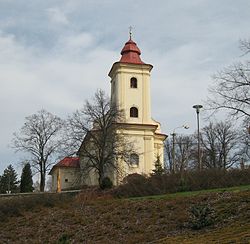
(130, 85)
(130, 90)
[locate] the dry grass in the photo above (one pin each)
(238, 232)
(97, 218)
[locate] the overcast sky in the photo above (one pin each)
(55, 54)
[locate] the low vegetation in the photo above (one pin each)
(97, 217)
(14, 206)
(138, 185)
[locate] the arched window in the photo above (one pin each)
(134, 112)
(133, 82)
(134, 159)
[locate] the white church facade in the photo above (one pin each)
(130, 90)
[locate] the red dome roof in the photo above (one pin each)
(131, 53)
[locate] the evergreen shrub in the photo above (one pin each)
(106, 183)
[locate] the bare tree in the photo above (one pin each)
(168, 159)
(245, 46)
(184, 153)
(99, 122)
(209, 147)
(74, 131)
(220, 145)
(231, 89)
(39, 139)
(244, 140)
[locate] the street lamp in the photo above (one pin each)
(173, 147)
(197, 107)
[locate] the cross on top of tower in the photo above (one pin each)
(130, 52)
(130, 32)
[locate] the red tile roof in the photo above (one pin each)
(131, 53)
(68, 162)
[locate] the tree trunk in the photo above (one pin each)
(42, 174)
(101, 175)
(42, 182)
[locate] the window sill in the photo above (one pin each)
(133, 166)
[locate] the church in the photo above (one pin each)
(130, 89)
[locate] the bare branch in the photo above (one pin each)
(231, 91)
(96, 130)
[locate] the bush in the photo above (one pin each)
(136, 185)
(133, 185)
(106, 183)
(64, 239)
(134, 179)
(201, 216)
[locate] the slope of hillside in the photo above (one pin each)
(166, 219)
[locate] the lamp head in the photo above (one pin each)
(197, 107)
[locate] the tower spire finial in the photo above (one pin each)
(130, 32)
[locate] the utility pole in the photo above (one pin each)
(197, 107)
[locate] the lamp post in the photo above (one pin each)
(197, 107)
(173, 146)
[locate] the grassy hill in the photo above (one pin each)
(95, 218)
